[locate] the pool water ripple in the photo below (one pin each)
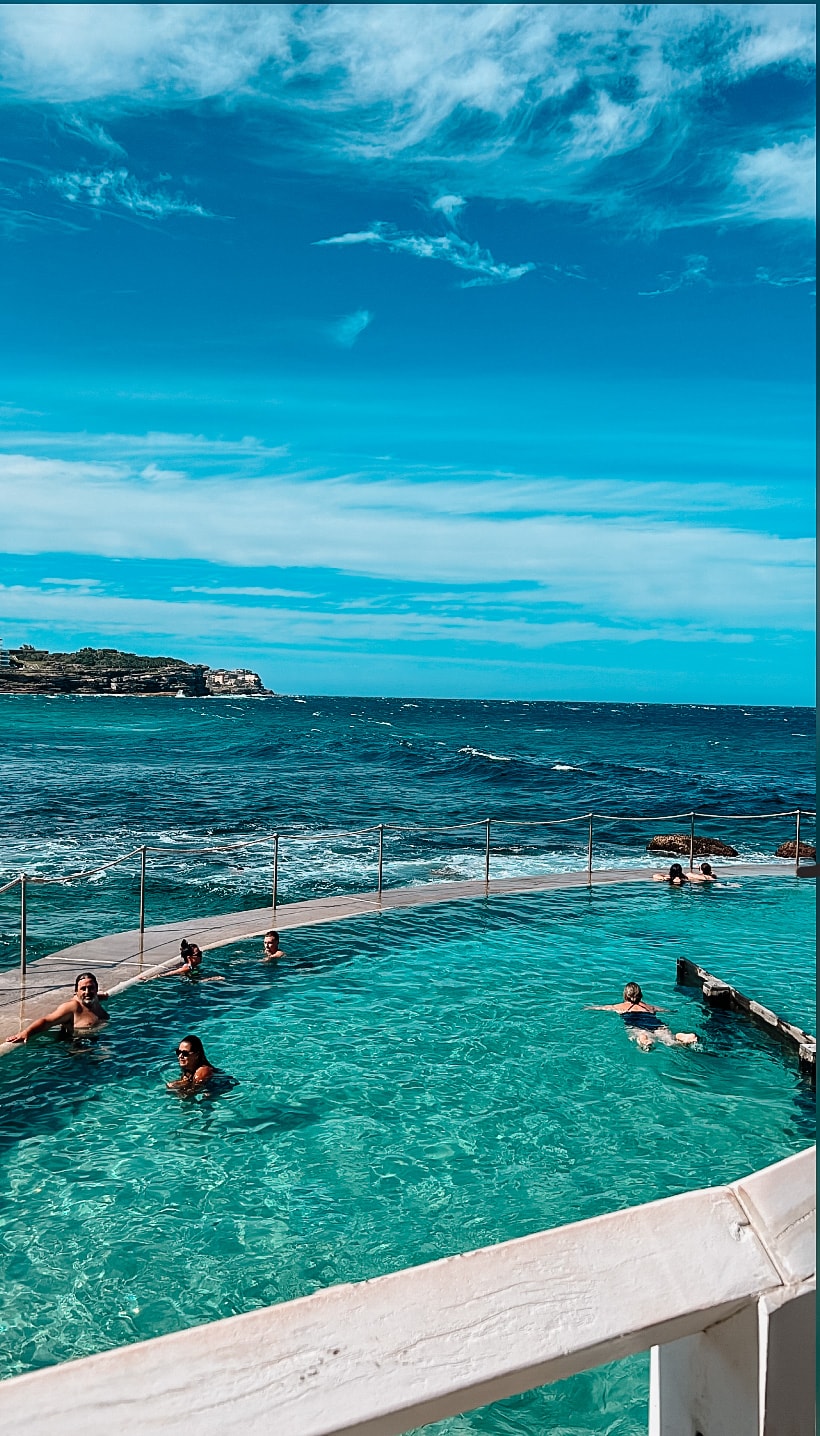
(406, 1087)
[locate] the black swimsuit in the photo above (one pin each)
(649, 1021)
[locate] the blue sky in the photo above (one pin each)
(461, 350)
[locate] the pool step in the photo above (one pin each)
(722, 994)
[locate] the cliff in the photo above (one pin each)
(108, 671)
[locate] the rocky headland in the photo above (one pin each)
(108, 671)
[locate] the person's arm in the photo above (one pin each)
(67, 1009)
(602, 1007)
(177, 971)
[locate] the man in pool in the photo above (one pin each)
(82, 1013)
(642, 1020)
(273, 951)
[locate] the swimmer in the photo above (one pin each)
(194, 1068)
(272, 949)
(704, 876)
(676, 877)
(643, 1021)
(81, 1013)
(191, 955)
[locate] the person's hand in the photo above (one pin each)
(17, 1037)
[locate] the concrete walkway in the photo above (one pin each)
(119, 960)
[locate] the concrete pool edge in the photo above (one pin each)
(123, 959)
(723, 1296)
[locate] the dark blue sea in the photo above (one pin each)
(86, 779)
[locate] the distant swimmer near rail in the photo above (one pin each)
(273, 951)
(642, 1020)
(676, 876)
(82, 1013)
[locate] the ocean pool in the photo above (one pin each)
(407, 1086)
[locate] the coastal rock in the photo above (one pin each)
(677, 845)
(108, 671)
(786, 850)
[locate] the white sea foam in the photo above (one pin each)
(479, 753)
(565, 768)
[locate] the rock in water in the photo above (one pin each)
(786, 850)
(677, 845)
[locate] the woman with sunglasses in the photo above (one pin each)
(195, 1071)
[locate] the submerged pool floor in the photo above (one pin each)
(407, 1086)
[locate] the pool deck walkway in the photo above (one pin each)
(120, 959)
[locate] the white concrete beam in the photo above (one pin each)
(382, 1357)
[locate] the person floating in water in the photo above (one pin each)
(191, 960)
(272, 949)
(195, 1071)
(82, 1013)
(676, 876)
(643, 1022)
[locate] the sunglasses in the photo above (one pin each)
(185, 1052)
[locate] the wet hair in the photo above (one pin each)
(272, 934)
(81, 976)
(195, 1044)
(632, 993)
(187, 949)
(675, 871)
(706, 868)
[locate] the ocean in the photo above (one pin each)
(87, 779)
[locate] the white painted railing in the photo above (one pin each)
(718, 1282)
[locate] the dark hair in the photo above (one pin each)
(706, 868)
(272, 934)
(79, 978)
(187, 950)
(195, 1044)
(632, 993)
(675, 871)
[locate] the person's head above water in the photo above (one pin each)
(632, 993)
(272, 940)
(706, 869)
(190, 951)
(675, 871)
(86, 985)
(191, 1053)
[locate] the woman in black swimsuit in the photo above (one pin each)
(642, 1020)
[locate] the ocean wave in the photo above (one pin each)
(479, 753)
(565, 768)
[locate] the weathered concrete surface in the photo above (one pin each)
(118, 960)
(385, 1356)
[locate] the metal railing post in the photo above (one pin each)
(23, 916)
(692, 843)
(589, 851)
(275, 869)
(487, 854)
(142, 895)
(797, 842)
(381, 858)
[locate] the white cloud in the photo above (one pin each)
(346, 331)
(117, 189)
(695, 271)
(640, 567)
(450, 248)
(778, 182)
(517, 100)
(449, 205)
(302, 629)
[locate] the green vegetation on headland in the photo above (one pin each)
(108, 670)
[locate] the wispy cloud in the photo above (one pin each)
(636, 567)
(695, 271)
(109, 189)
(346, 330)
(529, 101)
(449, 248)
(778, 182)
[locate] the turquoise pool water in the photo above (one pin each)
(406, 1087)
